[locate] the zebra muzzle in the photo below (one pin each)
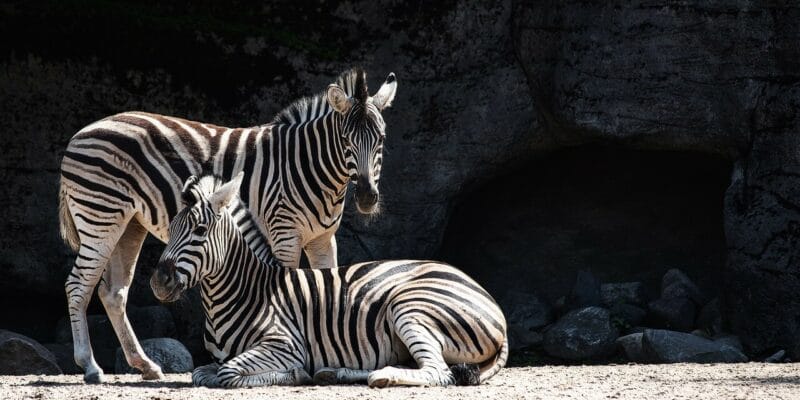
(366, 197)
(165, 282)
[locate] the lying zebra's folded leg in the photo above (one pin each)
(426, 351)
(340, 376)
(264, 365)
(205, 375)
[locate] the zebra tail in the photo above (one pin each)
(491, 368)
(466, 374)
(66, 225)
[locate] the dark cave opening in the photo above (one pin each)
(625, 215)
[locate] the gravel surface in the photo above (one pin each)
(675, 381)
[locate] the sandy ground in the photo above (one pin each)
(676, 381)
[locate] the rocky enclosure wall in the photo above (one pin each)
(483, 88)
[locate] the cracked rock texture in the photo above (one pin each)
(482, 88)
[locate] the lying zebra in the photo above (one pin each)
(270, 325)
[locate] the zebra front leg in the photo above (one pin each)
(206, 375)
(268, 363)
(321, 251)
(340, 376)
(113, 292)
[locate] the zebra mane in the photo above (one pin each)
(200, 187)
(354, 84)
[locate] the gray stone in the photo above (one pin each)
(631, 345)
(612, 294)
(636, 329)
(585, 292)
(729, 340)
(676, 284)
(628, 314)
(702, 333)
(21, 355)
(710, 317)
(526, 310)
(168, 353)
(664, 346)
(583, 334)
(675, 313)
(777, 357)
(520, 338)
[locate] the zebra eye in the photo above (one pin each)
(201, 230)
(381, 139)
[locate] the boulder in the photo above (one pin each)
(729, 340)
(710, 317)
(631, 345)
(676, 284)
(519, 338)
(612, 294)
(21, 355)
(629, 315)
(168, 353)
(777, 357)
(662, 346)
(673, 313)
(585, 292)
(582, 334)
(526, 310)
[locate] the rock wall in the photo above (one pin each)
(483, 88)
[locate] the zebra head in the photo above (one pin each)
(195, 234)
(362, 133)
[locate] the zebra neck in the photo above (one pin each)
(241, 269)
(317, 144)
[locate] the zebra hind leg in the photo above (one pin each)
(113, 292)
(79, 288)
(427, 352)
(96, 247)
(340, 376)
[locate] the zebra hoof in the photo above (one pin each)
(153, 375)
(325, 377)
(94, 378)
(301, 377)
(379, 383)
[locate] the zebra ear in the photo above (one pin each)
(223, 196)
(383, 99)
(338, 99)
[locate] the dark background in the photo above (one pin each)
(528, 139)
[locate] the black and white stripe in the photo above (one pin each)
(266, 324)
(121, 178)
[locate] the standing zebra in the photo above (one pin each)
(121, 178)
(267, 325)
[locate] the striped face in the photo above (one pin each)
(196, 246)
(363, 133)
